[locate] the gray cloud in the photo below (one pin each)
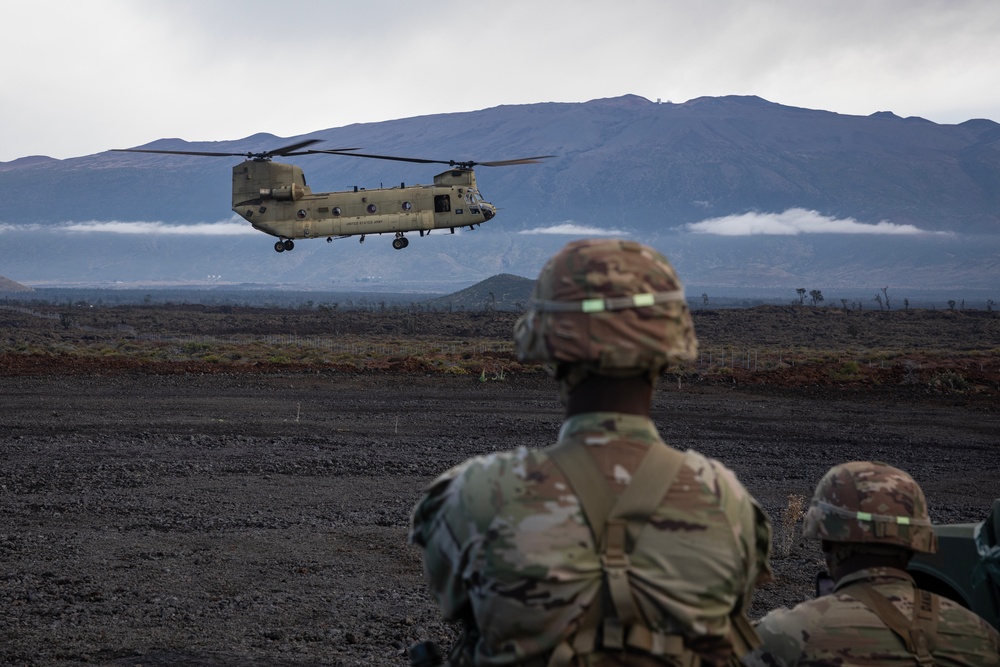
(119, 73)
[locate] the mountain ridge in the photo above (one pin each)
(624, 166)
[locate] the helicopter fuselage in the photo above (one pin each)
(276, 200)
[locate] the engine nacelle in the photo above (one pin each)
(283, 193)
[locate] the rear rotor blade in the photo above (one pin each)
(454, 163)
(523, 160)
(288, 150)
(383, 157)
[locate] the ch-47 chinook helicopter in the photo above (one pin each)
(275, 199)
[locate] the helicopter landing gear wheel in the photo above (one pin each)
(289, 245)
(279, 246)
(400, 241)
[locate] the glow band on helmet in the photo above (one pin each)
(868, 516)
(643, 300)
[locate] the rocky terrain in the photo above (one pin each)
(166, 503)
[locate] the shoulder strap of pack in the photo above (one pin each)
(616, 524)
(587, 482)
(918, 633)
(622, 521)
(650, 482)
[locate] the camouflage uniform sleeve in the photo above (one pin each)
(964, 635)
(443, 546)
(753, 531)
(704, 552)
(450, 522)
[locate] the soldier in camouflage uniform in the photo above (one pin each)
(871, 519)
(610, 547)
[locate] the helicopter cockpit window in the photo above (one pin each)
(442, 203)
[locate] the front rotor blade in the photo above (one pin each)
(284, 150)
(205, 153)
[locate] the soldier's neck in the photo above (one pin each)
(864, 562)
(632, 395)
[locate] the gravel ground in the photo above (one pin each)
(260, 518)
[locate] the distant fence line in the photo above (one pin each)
(727, 356)
(754, 359)
(339, 346)
(29, 311)
(117, 328)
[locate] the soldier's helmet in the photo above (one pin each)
(870, 502)
(615, 307)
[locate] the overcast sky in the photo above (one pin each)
(84, 77)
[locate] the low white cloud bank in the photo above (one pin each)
(226, 228)
(229, 228)
(573, 229)
(795, 221)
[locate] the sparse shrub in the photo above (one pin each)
(793, 511)
(846, 372)
(949, 381)
(194, 348)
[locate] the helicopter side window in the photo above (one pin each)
(442, 203)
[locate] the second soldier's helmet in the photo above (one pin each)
(870, 502)
(614, 306)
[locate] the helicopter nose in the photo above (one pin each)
(488, 210)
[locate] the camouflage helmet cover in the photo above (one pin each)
(870, 502)
(616, 306)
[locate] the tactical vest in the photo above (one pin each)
(613, 623)
(918, 633)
